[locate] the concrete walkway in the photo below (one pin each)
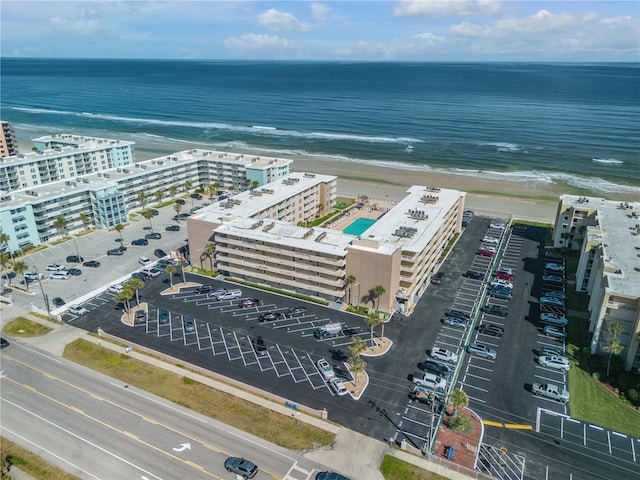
(352, 453)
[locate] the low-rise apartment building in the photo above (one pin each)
(607, 236)
(256, 237)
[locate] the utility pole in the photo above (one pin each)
(44, 295)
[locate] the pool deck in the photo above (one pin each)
(354, 213)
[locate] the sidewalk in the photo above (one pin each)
(352, 453)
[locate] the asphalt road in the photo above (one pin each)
(96, 427)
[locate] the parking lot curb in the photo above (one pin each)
(222, 383)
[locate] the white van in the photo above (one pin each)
(144, 261)
(230, 295)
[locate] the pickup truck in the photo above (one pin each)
(550, 391)
(426, 396)
(430, 381)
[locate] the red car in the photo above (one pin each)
(486, 252)
(505, 275)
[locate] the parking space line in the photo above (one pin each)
(609, 441)
(633, 449)
(477, 376)
(473, 386)
(479, 367)
(416, 422)
(552, 380)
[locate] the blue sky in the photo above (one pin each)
(422, 30)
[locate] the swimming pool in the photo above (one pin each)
(358, 226)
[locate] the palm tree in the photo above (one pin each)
(459, 399)
(357, 346)
(172, 190)
(378, 291)
(20, 267)
(142, 198)
(247, 182)
(148, 215)
(209, 250)
(255, 184)
(60, 224)
(158, 194)
(4, 240)
(350, 280)
(5, 260)
(136, 284)
(213, 189)
(613, 347)
(170, 269)
(85, 219)
(372, 320)
(125, 295)
(356, 366)
(118, 228)
(182, 262)
(177, 207)
(187, 185)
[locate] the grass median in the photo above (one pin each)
(30, 463)
(393, 468)
(23, 327)
(259, 421)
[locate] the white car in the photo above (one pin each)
(77, 310)
(325, 369)
(556, 362)
(554, 267)
(490, 240)
(497, 225)
(61, 275)
(144, 260)
(55, 267)
(117, 288)
(33, 276)
(152, 272)
(337, 386)
(498, 282)
(444, 355)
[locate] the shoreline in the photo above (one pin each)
(534, 201)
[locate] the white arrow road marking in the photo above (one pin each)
(183, 447)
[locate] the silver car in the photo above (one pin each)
(482, 350)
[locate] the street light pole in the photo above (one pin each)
(44, 295)
(77, 251)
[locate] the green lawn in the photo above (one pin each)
(30, 463)
(23, 327)
(393, 468)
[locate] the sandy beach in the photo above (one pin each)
(536, 201)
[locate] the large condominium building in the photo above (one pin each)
(63, 157)
(257, 238)
(607, 236)
(107, 196)
(8, 145)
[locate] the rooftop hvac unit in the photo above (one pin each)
(321, 236)
(266, 228)
(308, 233)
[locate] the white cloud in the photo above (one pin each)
(78, 26)
(446, 8)
(320, 12)
(429, 38)
(282, 21)
(617, 21)
(252, 41)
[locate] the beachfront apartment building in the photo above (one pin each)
(107, 196)
(258, 237)
(63, 157)
(8, 144)
(606, 234)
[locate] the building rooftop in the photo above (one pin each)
(619, 235)
(413, 221)
(248, 204)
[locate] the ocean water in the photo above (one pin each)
(575, 124)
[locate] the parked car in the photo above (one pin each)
(204, 289)
(554, 267)
(497, 225)
(552, 278)
(337, 387)
(259, 346)
(488, 239)
(474, 275)
(173, 228)
(61, 275)
(151, 272)
(5, 343)
(140, 242)
(189, 324)
(295, 311)
(163, 316)
(229, 295)
(554, 319)
(558, 294)
(499, 310)
(486, 251)
(330, 476)
(58, 302)
(503, 275)
(55, 267)
(501, 294)
(74, 259)
(115, 251)
(436, 279)
(217, 293)
(33, 276)
(434, 366)
(117, 288)
(154, 212)
(547, 350)
(455, 322)
(482, 350)
(458, 314)
(249, 302)
(77, 310)
(141, 275)
(492, 330)
(269, 316)
(444, 355)
(502, 283)
(158, 252)
(144, 260)
(555, 362)
(180, 201)
(558, 302)
(196, 196)
(153, 236)
(91, 263)
(241, 467)
(74, 271)
(499, 288)
(325, 369)
(552, 331)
